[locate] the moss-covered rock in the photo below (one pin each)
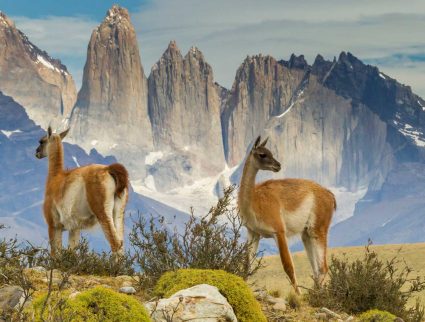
(377, 316)
(97, 304)
(236, 291)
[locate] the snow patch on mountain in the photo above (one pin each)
(413, 134)
(423, 107)
(346, 202)
(9, 133)
(153, 157)
(200, 195)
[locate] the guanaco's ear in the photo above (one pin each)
(257, 142)
(64, 133)
(264, 142)
(49, 132)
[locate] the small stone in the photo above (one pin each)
(40, 269)
(321, 316)
(74, 294)
(10, 297)
(280, 306)
(274, 300)
(330, 313)
(126, 284)
(398, 320)
(128, 290)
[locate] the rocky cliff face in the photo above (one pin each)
(111, 112)
(38, 82)
(263, 88)
(184, 108)
(341, 123)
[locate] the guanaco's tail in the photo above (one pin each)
(120, 175)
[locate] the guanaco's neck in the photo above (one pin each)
(55, 157)
(246, 189)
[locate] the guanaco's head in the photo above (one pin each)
(43, 149)
(263, 158)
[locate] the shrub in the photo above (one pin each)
(83, 261)
(369, 283)
(236, 291)
(377, 316)
(210, 242)
(294, 300)
(13, 260)
(97, 304)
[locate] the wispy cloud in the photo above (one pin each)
(227, 31)
(65, 38)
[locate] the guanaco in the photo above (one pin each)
(283, 208)
(79, 198)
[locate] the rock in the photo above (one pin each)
(398, 320)
(11, 297)
(349, 319)
(126, 284)
(35, 80)
(279, 306)
(74, 294)
(321, 316)
(111, 113)
(200, 303)
(330, 313)
(39, 269)
(128, 290)
(182, 95)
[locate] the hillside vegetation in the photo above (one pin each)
(273, 278)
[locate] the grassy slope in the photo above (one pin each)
(272, 276)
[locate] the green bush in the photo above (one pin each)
(212, 241)
(97, 304)
(369, 283)
(84, 261)
(377, 316)
(236, 291)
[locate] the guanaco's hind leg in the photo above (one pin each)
(118, 214)
(73, 238)
(316, 252)
(102, 207)
(55, 238)
(286, 258)
(253, 240)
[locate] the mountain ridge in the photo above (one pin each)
(342, 123)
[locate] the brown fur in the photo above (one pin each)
(272, 199)
(120, 175)
(60, 180)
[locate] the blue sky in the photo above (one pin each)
(387, 33)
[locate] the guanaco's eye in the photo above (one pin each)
(262, 155)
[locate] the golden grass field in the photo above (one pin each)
(273, 278)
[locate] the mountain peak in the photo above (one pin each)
(5, 21)
(116, 14)
(172, 46)
(195, 52)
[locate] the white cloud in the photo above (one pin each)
(65, 38)
(227, 31)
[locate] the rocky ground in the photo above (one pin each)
(196, 303)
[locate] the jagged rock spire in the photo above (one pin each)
(112, 103)
(40, 83)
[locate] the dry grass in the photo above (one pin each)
(272, 276)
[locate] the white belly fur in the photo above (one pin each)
(73, 210)
(295, 221)
(303, 217)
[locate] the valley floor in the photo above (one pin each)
(273, 278)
